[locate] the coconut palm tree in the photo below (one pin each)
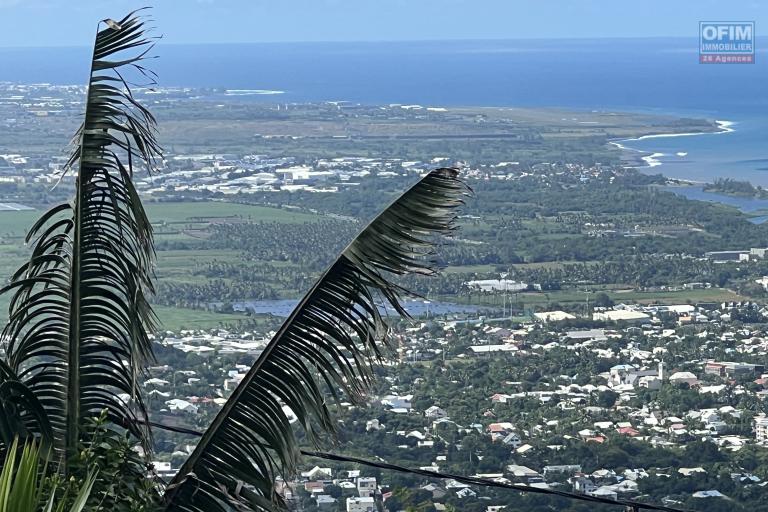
(77, 338)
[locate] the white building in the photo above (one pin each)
(491, 285)
(318, 473)
(360, 505)
(553, 316)
(761, 429)
(366, 486)
(176, 404)
(621, 315)
(435, 412)
(397, 402)
(683, 377)
(627, 374)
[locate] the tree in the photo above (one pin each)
(79, 315)
(602, 300)
(607, 398)
(79, 308)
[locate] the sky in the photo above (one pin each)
(72, 22)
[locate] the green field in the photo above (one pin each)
(169, 220)
(542, 300)
(176, 319)
(195, 212)
(17, 223)
(188, 222)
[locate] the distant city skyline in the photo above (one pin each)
(68, 23)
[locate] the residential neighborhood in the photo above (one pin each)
(683, 376)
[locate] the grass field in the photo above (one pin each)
(177, 265)
(563, 297)
(168, 220)
(17, 223)
(196, 212)
(176, 319)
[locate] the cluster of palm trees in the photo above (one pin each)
(76, 343)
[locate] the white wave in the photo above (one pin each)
(250, 92)
(652, 160)
(725, 126)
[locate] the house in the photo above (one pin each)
(416, 434)
(314, 488)
(435, 412)
(626, 374)
(156, 382)
(625, 486)
(522, 472)
(731, 369)
(325, 502)
(708, 494)
(438, 492)
(361, 505)
(761, 430)
(176, 404)
(683, 378)
(587, 335)
(628, 431)
(318, 473)
(604, 492)
(397, 402)
(501, 427)
(562, 469)
(466, 493)
(366, 486)
(583, 484)
(524, 449)
(512, 440)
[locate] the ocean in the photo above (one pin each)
(656, 75)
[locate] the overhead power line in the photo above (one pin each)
(630, 505)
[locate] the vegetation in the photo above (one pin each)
(736, 188)
(25, 487)
(79, 318)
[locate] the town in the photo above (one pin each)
(593, 331)
(652, 380)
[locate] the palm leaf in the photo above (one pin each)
(333, 336)
(78, 313)
(23, 483)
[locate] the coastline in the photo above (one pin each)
(755, 208)
(652, 159)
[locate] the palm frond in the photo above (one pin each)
(23, 483)
(327, 344)
(78, 314)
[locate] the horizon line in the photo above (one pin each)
(382, 41)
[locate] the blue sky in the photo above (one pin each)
(71, 22)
